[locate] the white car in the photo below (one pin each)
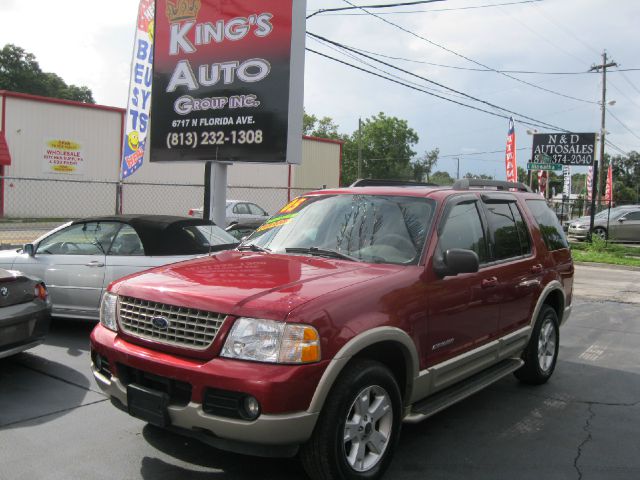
(79, 259)
(238, 211)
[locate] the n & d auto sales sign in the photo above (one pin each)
(228, 80)
(564, 148)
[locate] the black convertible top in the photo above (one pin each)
(161, 234)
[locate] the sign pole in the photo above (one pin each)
(218, 193)
(594, 192)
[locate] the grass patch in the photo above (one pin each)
(600, 251)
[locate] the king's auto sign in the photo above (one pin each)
(228, 80)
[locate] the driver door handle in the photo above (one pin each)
(489, 282)
(94, 263)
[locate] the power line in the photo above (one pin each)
(421, 90)
(455, 67)
(360, 60)
(453, 155)
(621, 123)
(626, 79)
(389, 5)
(623, 94)
(467, 58)
(434, 10)
(436, 83)
(615, 147)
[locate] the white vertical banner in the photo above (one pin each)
(139, 104)
(566, 184)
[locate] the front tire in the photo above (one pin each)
(600, 232)
(359, 426)
(541, 354)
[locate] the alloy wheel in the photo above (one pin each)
(367, 430)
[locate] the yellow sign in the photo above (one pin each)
(63, 156)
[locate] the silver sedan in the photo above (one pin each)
(622, 223)
(79, 259)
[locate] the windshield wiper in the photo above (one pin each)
(253, 247)
(321, 252)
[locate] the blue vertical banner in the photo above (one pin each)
(139, 103)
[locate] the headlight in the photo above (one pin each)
(273, 342)
(108, 311)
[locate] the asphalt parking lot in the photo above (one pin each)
(583, 424)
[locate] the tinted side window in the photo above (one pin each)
(127, 242)
(632, 216)
(552, 233)
(523, 231)
(509, 231)
(463, 229)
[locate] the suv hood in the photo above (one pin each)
(248, 284)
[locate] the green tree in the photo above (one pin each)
(424, 164)
(386, 144)
(480, 176)
(20, 72)
(523, 176)
(442, 178)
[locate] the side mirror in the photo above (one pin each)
(456, 261)
(621, 220)
(29, 249)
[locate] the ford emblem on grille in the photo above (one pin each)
(160, 323)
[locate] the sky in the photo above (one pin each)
(90, 43)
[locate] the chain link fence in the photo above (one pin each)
(33, 206)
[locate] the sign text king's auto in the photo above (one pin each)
(237, 108)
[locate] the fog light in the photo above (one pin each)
(251, 407)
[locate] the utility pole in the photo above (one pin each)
(359, 148)
(596, 186)
(458, 169)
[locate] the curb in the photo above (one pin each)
(608, 265)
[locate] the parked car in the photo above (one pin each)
(24, 312)
(79, 259)
(624, 224)
(242, 230)
(238, 211)
(345, 313)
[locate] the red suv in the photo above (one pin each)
(345, 314)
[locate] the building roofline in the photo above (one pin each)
(59, 101)
(322, 139)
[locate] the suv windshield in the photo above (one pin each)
(367, 228)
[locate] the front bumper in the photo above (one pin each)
(23, 326)
(273, 433)
(578, 232)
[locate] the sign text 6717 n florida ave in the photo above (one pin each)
(564, 148)
(227, 80)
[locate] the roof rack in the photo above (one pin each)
(467, 183)
(374, 182)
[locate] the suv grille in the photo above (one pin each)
(169, 324)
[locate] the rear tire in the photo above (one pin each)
(541, 354)
(359, 426)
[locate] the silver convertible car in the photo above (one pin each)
(79, 259)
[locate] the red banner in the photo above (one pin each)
(510, 154)
(608, 196)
